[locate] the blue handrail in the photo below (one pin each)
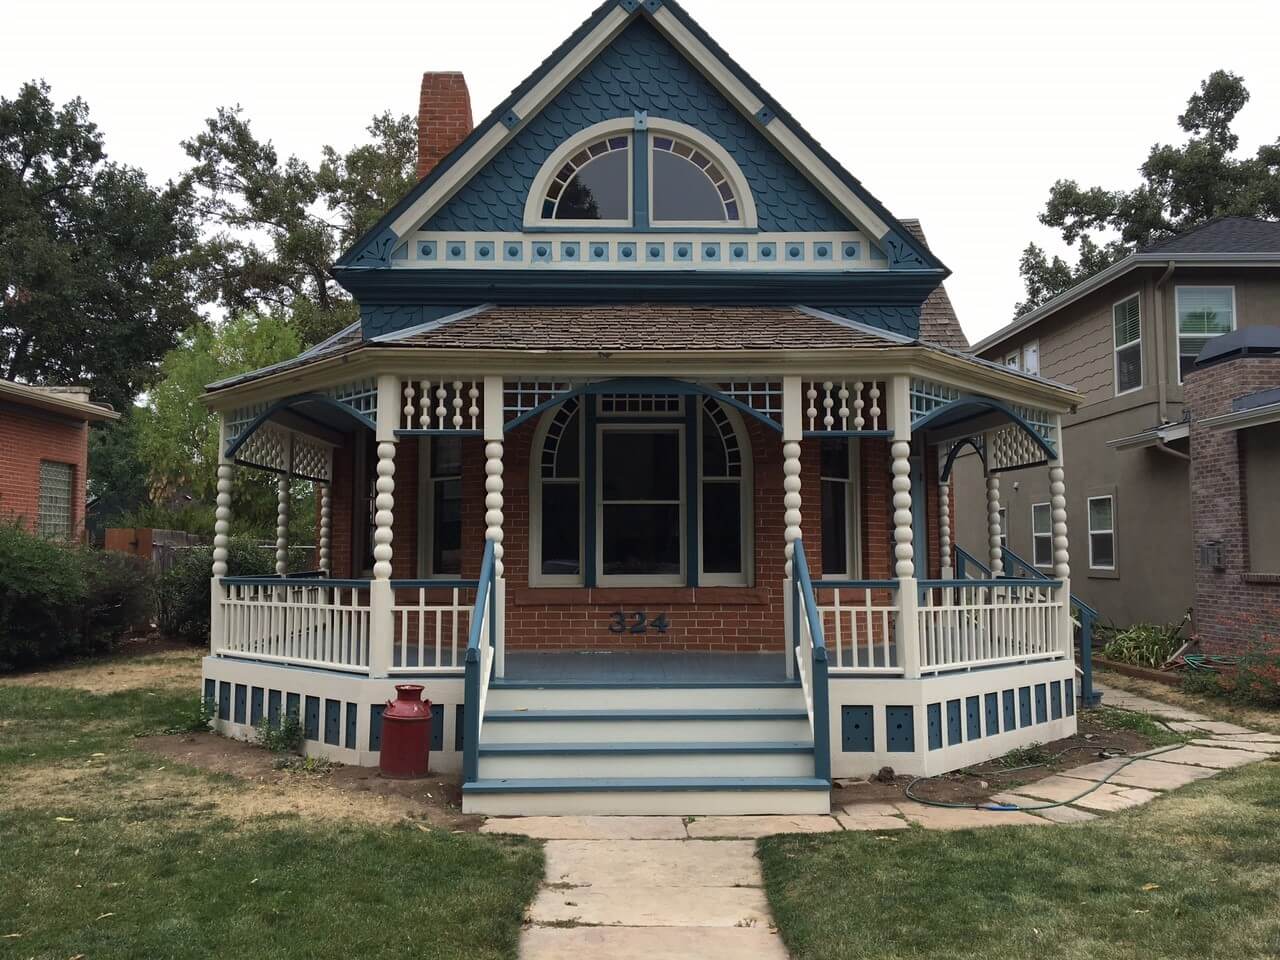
(821, 700)
(471, 667)
(965, 559)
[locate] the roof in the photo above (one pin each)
(1224, 235)
(1223, 241)
(1246, 341)
(65, 401)
(938, 321)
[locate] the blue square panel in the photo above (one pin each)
(541, 251)
(333, 722)
(255, 706)
(1042, 703)
(273, 709)
(822, 249)
(570, 251)
(210, 690)
(437, 726)
(682, 251)
(513, 251)
(992, 703)
(627, 252)
(1024, 706)
(794, 250)
(1071, 697)
(598, 251)
(972, 719)
(767, 252)
(459, 726)
(311, 719)
(900, 724)
(850, 250)
(954, 733)
(655, 252)
(1055, 700)
(485, 250)
(1010, 714)
(455, 249)
(738, 252)
(242, 699)
(710, 252)
(224, 700)
(933, 715)
(857, 729)
(375, 725)
(426, 249)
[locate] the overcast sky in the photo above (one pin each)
(959, 112)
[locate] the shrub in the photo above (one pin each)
(286, 738)
(1253, 681)
(182, 594)
(59, 600)
(1144, 644)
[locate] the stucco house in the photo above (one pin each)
(1178, 502)
(44, 456)
(633, 461)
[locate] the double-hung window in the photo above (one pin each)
(1203, 313)
(839, 509)
(1041, 535)
(1126, 327)
(1102, 533)
(443, 500)
(641, 505)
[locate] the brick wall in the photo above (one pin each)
(1231, 613)
(705, 618)
(444, 118)
(28, 437)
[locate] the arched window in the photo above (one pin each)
(560, 481)
(688, 186)
(593, 184)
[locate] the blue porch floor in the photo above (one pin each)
(640, 667)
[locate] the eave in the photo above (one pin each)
(23, 395)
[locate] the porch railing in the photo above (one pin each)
(811, 662)
(430, 624)
(305, 621)
(976, 623)
(482, 643)
(860, 621)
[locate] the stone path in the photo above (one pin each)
(666, 888)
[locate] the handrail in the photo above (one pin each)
(278, 581)
(999, 582)
(817, 678)
(964, 558)
(475, 679)
(825, 584)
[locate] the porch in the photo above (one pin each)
(676, 636)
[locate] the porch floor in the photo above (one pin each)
(593, 666)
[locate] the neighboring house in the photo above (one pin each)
(44, 456)
(1127, 339)
(632, 462)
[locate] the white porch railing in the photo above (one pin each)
(430, 623)
(976, 623)
(311, 622)
(858, 623)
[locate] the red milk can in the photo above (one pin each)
(406, 733)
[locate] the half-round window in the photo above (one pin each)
(688, 185)
(593, 184)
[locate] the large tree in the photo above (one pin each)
(277, 225)
(1182, 187)
(94, 282)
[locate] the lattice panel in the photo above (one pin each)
(929, 395)
(268, 448)
(847, 405)
(1010, 446)
(521, 396)
(761, 396)
(310, 458)
(456, 404)
(1041, 421)
(360, 395)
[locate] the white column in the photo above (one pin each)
(996, 555)
(381, 625)
(221, 542)
(1061, 555)
(944, 527)
(792, 430)
(324, 557)
(493, 503)
(907, 628)
(282, 526)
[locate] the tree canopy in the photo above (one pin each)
(94, 270)
(1182, 187)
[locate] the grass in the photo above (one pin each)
(106, 872)
(1256, 718)
(1212, 850)
(1143, 724)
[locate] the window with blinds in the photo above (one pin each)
(56, 487)
(1203, 313)
(1126, 322)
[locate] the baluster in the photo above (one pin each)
(874, 394)
(457, 404)
(844, 405)
(828, 421)
(835, 595)
(474, 409)
(441, 410)
(858, 403)
(424, 405)
(408, 404)
(812, 411)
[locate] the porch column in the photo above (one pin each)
(906, 627)
(944, 527)
(381, 625)
(996, 555)
(493, 502)
(792, 430)
(1061, 556)
(221, 541)
(324, 557)
(282, 526)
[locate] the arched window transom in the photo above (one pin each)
(688, 186)
(593, 184)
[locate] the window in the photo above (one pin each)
(1041, 535)
(1102, 533)
(1004, 528)
(723, 544)
(1031, 357)
(641, 507)
(593, 184)
(56, 490)
(1013, 360)
(561, 474)
(1126, 327)
(839, 509)
(687, 185)
(444, 507)
(1203, 313)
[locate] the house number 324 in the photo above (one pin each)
(637, 621)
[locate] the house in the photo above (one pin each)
(44, 456)
(632, 461)
(1128, 340)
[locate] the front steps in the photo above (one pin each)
(626, 749)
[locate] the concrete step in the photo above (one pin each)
(646, 759)
(630, 726)
(504, 695)
(631, 796)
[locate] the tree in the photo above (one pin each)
(94, 272)
(1182, 188)
(279, 225)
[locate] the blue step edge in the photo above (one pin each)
(642, 748)
(644, 784)
(500, 716)
(686, 685)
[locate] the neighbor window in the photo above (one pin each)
(56, 486)
(1013, 361)
(1126, 326)
(444, 507)
(1203, 313)
(1004, 528)
(593, 184)
(1102, 533)
(1041, 535)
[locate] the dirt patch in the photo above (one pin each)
(1256, 718)
(137, 664)
(338, 792)
(1092, 741)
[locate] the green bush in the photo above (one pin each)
(182, 593)
(1143, 644)
(59, 600)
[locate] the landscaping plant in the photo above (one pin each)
(182, 593)
(1144, 644)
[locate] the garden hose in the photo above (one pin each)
(1013, 807)
(1204, 661)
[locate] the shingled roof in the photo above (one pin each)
(938, 321)
(1224, 235)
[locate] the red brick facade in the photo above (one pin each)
(27, 437)
(444, 118)
(1232, 610)
(716, 618)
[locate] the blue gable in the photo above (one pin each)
(638, 71)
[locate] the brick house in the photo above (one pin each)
(44, 455)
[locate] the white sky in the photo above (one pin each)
(959, 112)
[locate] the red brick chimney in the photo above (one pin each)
(444, 117)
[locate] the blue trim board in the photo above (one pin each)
(640, 716)
(640, 748)
(645, 784)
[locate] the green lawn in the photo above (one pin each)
(1005, 893)
(158, 874)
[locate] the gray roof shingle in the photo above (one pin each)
(938, 320)
(1224, 235)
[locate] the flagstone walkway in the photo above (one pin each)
(670, 888)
